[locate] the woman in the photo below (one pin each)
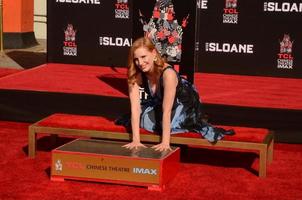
(172, 105)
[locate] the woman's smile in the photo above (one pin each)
(144, 59)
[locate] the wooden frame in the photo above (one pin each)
(265, 148)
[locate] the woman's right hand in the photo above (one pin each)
(134, 145)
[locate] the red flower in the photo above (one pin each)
(156, 14)
(160, 35)
(171, 39)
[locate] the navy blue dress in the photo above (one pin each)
(186, 111)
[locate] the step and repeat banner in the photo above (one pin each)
(100, 32)
(250, 37)
(91, 32)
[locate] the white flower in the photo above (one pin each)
(172, 51)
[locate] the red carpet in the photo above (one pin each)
(8, 71)
(234, 90)
(205, 174)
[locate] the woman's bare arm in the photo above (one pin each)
(170, 82)
(135, 116)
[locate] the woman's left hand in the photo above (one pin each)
(162, 147)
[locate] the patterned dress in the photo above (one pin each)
(186, 111)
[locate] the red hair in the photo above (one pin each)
(133, 70)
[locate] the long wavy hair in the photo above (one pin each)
(133, 70)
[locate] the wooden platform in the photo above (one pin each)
(250, 139)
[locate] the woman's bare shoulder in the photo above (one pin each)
(169, 71)
(170, 76)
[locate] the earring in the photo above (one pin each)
(155, 59)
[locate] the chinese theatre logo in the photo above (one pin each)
(164, 30)
(122, 9)
(70, 47)
(59, 165)
(230, 13)
(285, 58)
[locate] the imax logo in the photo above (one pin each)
(137, 170)
(282, 7)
